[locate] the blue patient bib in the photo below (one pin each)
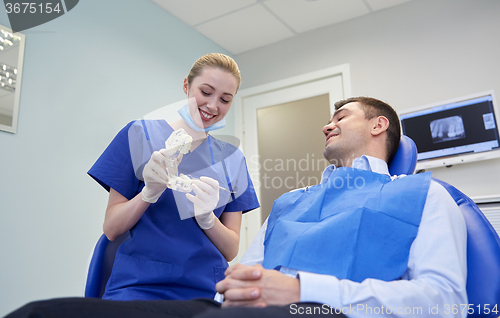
(357, 225)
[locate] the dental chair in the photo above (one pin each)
(100, 265)
(483, 243)
(483, 246)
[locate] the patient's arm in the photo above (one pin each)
(255, 252)
(436, 274)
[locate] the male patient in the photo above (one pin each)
(362, 243)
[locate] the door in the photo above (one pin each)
(303, 100)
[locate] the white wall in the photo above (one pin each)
(86, 74)
(417, 53)
(105, 63)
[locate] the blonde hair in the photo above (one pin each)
(217, 61)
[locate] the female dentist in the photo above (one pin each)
(179, 243)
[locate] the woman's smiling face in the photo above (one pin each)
(213, 90)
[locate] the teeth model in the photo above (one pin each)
(179, 143)
(181, 183)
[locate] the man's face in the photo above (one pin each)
(347, 135)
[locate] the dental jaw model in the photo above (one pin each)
(177, 145)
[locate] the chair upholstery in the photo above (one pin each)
(405, 159)
(483, 243)
(101, 264)
(483, 256)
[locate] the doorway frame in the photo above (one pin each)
(251, 222)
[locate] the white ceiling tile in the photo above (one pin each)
(242, 25)
(194, 12)
(245, 29)
(302, 15)
(382, 4)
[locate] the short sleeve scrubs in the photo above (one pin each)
(167, 255)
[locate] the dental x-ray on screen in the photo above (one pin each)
(455, 131)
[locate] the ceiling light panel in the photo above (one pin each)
(245, 29)
(194, 12)
(303, 15)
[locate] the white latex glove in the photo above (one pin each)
(205, 201)
(155, 177)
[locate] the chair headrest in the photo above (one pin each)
(405, 159)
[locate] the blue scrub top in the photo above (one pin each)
(167, 255)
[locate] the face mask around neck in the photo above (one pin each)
(186, 115)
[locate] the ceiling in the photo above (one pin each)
(243, 25)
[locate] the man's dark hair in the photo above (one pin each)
(373, 108)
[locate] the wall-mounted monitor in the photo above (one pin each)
(455, 131)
